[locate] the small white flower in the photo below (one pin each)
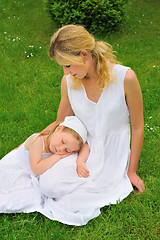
(150, 117)
(151, 22)
(40, 47)
(5, 32)
(27, 56)
(14, 40)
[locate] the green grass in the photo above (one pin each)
(30, 94)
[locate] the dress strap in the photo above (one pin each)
(43, 143)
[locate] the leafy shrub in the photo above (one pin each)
(95, 15)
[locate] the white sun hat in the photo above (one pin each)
(75, 124)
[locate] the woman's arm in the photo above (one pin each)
(39, 165)
(82, 158)
(135, 104)
(64, 106)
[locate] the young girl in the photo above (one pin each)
(18, 182)
(106, 97)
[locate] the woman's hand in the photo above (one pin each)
(82, 169)
(136, 182)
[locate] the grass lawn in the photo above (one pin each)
(30, 94)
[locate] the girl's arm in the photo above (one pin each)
(135, 104)
(39, 165)
(82, 158)
(16, 147)
(64, 106)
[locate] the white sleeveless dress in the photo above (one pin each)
(19, 187)
(74, 200)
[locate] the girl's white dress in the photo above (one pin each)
(19, 187)
(59, 193)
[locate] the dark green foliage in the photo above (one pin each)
(95, 15)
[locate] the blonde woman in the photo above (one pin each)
(106, 97)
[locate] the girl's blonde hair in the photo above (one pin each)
(65, 129)
(67, 44)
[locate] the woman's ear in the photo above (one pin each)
(84, 54)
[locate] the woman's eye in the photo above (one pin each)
(67, 66)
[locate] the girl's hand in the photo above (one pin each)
(82, 169)
(137, 183)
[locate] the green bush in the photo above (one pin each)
(95, 15)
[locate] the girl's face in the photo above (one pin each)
(63, 142)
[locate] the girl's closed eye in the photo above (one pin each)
(67, 150)
(68, 66)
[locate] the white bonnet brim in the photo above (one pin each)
(74, 123)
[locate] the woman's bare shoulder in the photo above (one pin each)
(130, 75)
(131, 84)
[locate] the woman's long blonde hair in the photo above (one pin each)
(67, 44)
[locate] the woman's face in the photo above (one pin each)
(78, 71)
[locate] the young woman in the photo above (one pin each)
(106, 97)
